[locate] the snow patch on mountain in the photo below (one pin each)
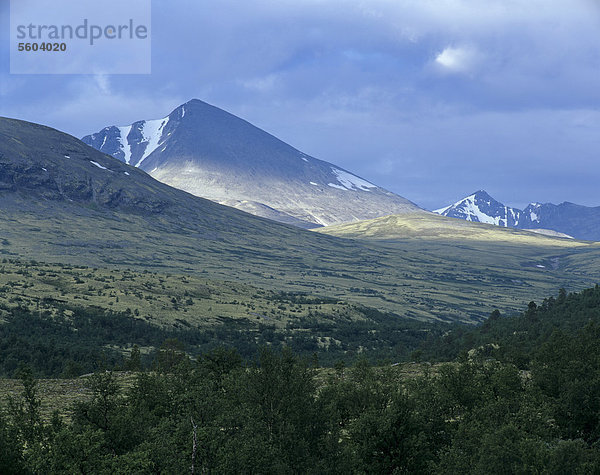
(473, 213)
(333, 185)
(152, 133)
(549, 232)
(123, 142)
(533, 216)
(351, 182)
(98, 165)
(482, 208)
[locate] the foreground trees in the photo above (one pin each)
(281, 415)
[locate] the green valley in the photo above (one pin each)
(97, 257)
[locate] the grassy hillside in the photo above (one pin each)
(69, 320)
(65, 203)
(431, 278)
(165, 300)
(430, 226)
(459, 263)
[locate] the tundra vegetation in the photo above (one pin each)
(520, 395)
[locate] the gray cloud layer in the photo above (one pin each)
(431, 99)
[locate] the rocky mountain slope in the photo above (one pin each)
(216, 155)
(580, 222)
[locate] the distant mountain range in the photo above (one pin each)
(211, 153)
(566, 219)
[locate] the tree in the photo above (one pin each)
(11, 455)
(134, 363)
(25, 411)
(170, 355)
(275, 424)
(389, 439)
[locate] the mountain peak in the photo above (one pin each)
(566, 219)
(482, 208)
(198, 106)
(211, 153)
(196, 103)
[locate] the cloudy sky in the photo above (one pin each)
(432, 99)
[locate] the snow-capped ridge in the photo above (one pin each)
(442, 210)
(566, 220)
(480, 207)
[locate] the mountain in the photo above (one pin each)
(48, 174)
(581, 222)
(39, 164)
(566, 220)
(482, 208)
(211, 153)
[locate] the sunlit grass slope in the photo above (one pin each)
(432, 226)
